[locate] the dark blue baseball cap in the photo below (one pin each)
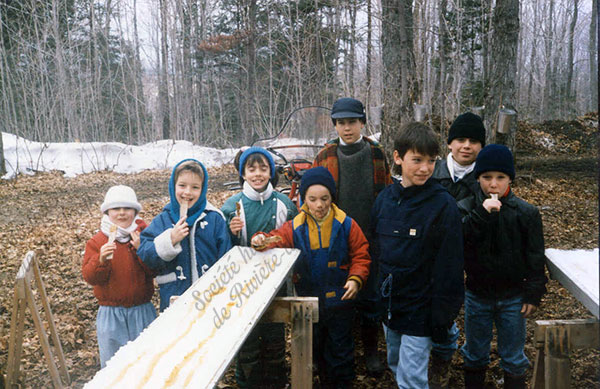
(347, 107)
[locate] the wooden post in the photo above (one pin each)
(301, 348)
(554, 340)
(24, 297)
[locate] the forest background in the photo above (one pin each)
(223, 73)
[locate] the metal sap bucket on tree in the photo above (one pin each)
(505, 118)
(420, 111)
(478, 111)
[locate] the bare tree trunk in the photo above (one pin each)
(444, 53)
(593, 53)
(569, 95)
(398, 62)
(532, 58)
(163, 93)
(547, 106)
(504, 67)
(369, 65)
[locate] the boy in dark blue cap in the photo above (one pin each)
(504, 262)
(353, 158)
(465, 139)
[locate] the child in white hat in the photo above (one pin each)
(122, 283)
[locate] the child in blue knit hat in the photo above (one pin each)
(333, 266)
(259, 207)
(504, 262)
(188, 236)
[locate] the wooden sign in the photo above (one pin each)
(24, 298)
(193, 341)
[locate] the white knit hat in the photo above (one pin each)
(120, 196)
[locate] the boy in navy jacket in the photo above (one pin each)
(418, 244)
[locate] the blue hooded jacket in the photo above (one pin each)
(179, 266)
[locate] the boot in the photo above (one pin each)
(439, 373)
(369, 334)
(475, 378)
(513, 381)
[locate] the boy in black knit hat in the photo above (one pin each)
(465, 139)
(504, 262)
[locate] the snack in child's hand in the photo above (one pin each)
(183, 208)
(494, 196)
(238, 210)
(268, 241)
(112, 235)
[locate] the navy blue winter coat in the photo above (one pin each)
(418, 244)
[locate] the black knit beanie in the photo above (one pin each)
(467, 125)
(495, 158)
(317, 176)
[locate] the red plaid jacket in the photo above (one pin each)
(327, 158)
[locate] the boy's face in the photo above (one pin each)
(188, 187)
(416, 167)
(122, 217)
(318, 200)
(348, 129)
(257, 175)
(494, 182)
(464, 150)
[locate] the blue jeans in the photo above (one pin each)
(115, 326)
(408, 357)
(446, 350)
(481, 315)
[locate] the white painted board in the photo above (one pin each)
(577, 271)
(193, 341)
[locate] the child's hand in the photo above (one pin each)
(492, 205)
(236, 225)
(179, 231)
(106, 251)
(351, 290)
(135, 239)
(258, 241)
(528, 309)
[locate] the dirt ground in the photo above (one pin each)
(55, 216)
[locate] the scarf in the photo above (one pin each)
(253, 195)
(458, 171)
(123, 234)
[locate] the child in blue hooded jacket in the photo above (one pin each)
(188, 236)
(259, 207)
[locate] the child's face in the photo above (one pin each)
(188, 187)
(494, 182)
(464, 150)
(257, 175)
(122, 217)
(348, 129)
(318, 200)
(416, 167)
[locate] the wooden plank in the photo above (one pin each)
(577, 333)
(15, 342)
(50, 320)
(301, 345)
(557, 367)
(280, 309)
(577, 271)
(39, 326)
(537, 380)
(193, 341)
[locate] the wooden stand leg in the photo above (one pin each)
(50, 318)
(301, 347)
(43, 338)
(556, 362)
(15, 345)
(538, 370)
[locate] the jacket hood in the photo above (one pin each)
(199, 206)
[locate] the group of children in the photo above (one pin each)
(390, 250)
